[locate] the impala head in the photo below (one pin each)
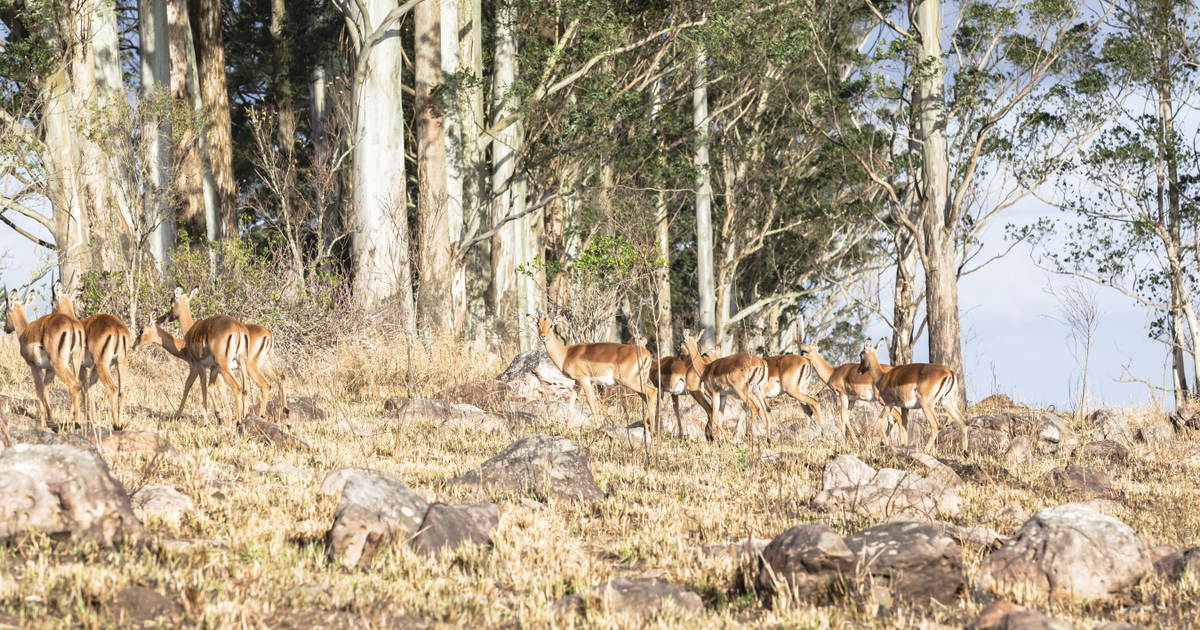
(544, 326)
(869, 353)
(180, 303)
(147, 335)
(14, 309)
(61, 297)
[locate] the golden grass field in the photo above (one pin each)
(663, 502)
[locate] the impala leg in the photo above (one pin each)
(268, 370)
(263, 385)
(227, 374)
(678, 416)
(586, 384)
(69, 373)
(571, 409)
(954, 412)
(214, 388)
(100, 372)
(887, 430)
(187, 387)
(40, 387)
(714, 418)
(119, 423)
(934, 427)
(767, 411)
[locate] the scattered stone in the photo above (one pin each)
(1049, 432)
(979, 440)
(1068, 552)
(1180, 563)
(933, 467)
(533, 376)
(446, 527)
(162, 500)
(18, 406)
(1103, 506)
(549, 412)
(267, 433)
(284, 471)
(1119, 625)
(915, 561)
(1159, 552)
(1031, 620)
(846, 470)
(634, 598)
(538, 463)
(1156, 435)
(981, 536)
(300, 409)
(446, 416)
(1106, 451)
(738, 549)
(997, 401)
(476, 393)
(887, 493)
(109, 441)
(807, 563)
(139, 606)
(67, 491)
(989, 618)
(335, 480)
(1166, 456)
(374, 510)
(1185, 418)
(531, 504)
(631, 436)
(1082, 480)
(1014, 512)
(1020, 451)
(1109, 425)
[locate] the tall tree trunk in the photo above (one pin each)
(477, 262)
(380, 241)
(317, 109)
(452, 122)
(704, 236)
(662, 220)
(109, 88)
(904, 305)
(62, 168)
(941, 277)
(505, 148)
(434, 297)
(1169, 183)
(218, 126)
(186, 174)
(212, 222)
(159, 217)
(285, 133)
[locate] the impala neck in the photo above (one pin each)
(873, 365)
(20, 321)
(556, 350)
(185, 318)
(64, 307)
(822, 367)
(171, 343)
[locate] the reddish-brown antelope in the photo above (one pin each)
(913, 386)
(740, 375)
(260, 354)
(788, 374)
(671, 376)
(218, 342)
(602, 363)
(52, 345)
(847, 383)
(106, 344)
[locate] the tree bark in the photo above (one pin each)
(703, 187)
(159, 218)
(505, 150)
(452, 123)
(904, 304)
(662, 221)
(285, 133)
(186, 173)
(63, 179)
(212, 223)
(109, 88)
(477, 262)
(218, 126)
(434, 301)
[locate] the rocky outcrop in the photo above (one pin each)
(540, 464)
(914, 561)
(447, 527)
(533, 376)
(850, 485)
(806, 564)
(374, 510)
(1084, 482)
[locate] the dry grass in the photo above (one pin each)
(663, 503)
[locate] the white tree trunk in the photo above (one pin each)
(452, 121)
(316, 105)
(155, 55)
(109, 87)
(434, 301)
(704, 235)
(477, 262)
(208, 188)
(505, 149)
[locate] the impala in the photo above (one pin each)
(846, 382)
(106, 346)
(788, 374)
(260, 353)
(740, 375)
(670, 376)
(216, 342)
(602, 363)
(913, 386)
(51, 344)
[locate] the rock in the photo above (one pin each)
(738, 549)
(163, 500)
(335, 480)
(892, 492)
(635, 598)
(1119, 625)
(1166, 456)
(1156, 435)
(267, 433)
(846, 470)
(981, 536)
(989, 618)
(1068, 552)
(1185, 418)
(996, 401)
(979, 440)
(549, 412)
(446, 416)
(446, 527)
(1014, 512)
(1176, 565)
(631, 436)
(476, 393)
(1161, 551)
(109, 441)
(767, 457)
(48, 438)
(1081, 480)
(300, 409)
(933, 467)
(1103, 506)
(915, 561)
(537, 463)
(1031, 620)
(533, 376)
(1106, 451)
(1002, 422)
(374, 510)
(285, 471)
(1020, 451)
(1049, 433)
(1108, 425)
(801, 432)
(66, 491)
(807, 563)
(19, 406)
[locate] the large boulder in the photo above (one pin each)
(632, 598)
(852, 486)
(1085, 482)
(846, 470)
(1106, 451)
(1185, 418)
(916, 562)
(66, 492)
(533, 376)
(541, 464)
(1156, 435)
(374, 510)
(1108, 425)
(1020, 451)
(933, 468)
(1177, 564)
(1068, 552)
(446, 527)
(807, 563)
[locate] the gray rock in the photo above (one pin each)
(915, 561)
(1068, 552)
(979, 440)
(268, 433)
(374, 510)
(1159, 552)
(532, 375)
(1178, 564)
(1107, 451)
(550, 412)
(109, 441)
(446, 527)
(446, 416)
(933, 467)
(892, 492)
(1119, 625)
(335, 480)
(990, 617)
(1109, 425)
(1156, 435)
(66, 491)
(846, 470)
(630, 436)
(1031, 620)
(803, 433)
(544, 465)
(1103, 506)
(48, 438)
(634, 598)
(1020, 451)
(163, 500)
(1185, 418)
(807, 563)
(1084, 481)
(738, 549)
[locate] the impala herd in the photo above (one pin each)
(95, 349)
(59, 344)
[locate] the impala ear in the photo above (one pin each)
(882, 340)
(532, 319)
(194, 293)
(866, 344)
(559, 320)
(178, 292)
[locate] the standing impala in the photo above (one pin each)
(602, 363)
(106, 346)
(51, 344)
(740, 375)
(847, 382)
(788, 374)
(260, 353)
(913, 386)
(670, 376)
(216, 342)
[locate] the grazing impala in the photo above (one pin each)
(913, 386)
(741, 375)
(670, 376)
(51, 344)
(106, 346)
(603, 363)
(846, 382)
(260, 354)
(788, 374)
(216, 342)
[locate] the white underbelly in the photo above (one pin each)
(775, 390)
(605, 381)
(678, 389)
(43, 361)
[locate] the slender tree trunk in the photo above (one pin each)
(285, 133)
(317, 110)
(477, 262)
(159, 217)
(904, 306)
(452, 122)
(663, 223)
(504, 156)
(186, 173)
(62, 169)
(212, 219)
(434, 301)
(1168, 182)
(110, 88)
(218, 126)
(704, 235)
